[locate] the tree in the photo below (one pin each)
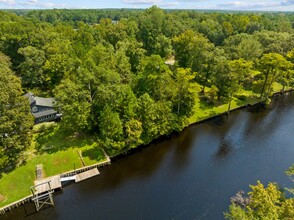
(275, 42)
(190, 50)
(239, 72)
(209, 69)
(134, 51)
(156, 117)
(74, 103)
(221, 78)
(290, 173)
(151, 23)
(264, 203)
(133, 130)
(110, 125)
(270, 67)
(163, 46)
(186, 93)
(59, 61)
(212, 30)
(155, 79)
(15, 121)
(32, 67)
(185, 96)
(243, 46)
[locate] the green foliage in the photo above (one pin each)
(265, 203)
(134, 130)
(272, 66)
(290, 173)
(110, 125)
(243, 46)
(185, 90)
(91, 59)
(15, 121)
(31, 69)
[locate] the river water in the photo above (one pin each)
(189, 176)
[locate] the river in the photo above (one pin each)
(189, 176)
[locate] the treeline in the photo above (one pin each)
(106, 68)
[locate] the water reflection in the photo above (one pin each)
(224, 149)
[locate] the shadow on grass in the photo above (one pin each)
(93, 154)
(243, 100)
(56, 139)
(205, 103)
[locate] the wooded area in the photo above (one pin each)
(107, 71)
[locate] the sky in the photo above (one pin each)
(261, 5)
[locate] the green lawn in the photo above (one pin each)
(202, 110)
(57, 152)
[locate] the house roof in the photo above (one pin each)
(47, 102)
(44, 113)
(30, 96)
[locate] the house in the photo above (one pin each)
(42, 108)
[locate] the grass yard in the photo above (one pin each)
(203, 110)
(57, 152)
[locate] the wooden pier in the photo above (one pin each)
(86, 175)
(55, 183)
(42, 194)
(42, 189)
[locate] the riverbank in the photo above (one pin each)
(193, 173)
(209, 115)
(222, 109)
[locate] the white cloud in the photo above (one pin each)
(38, 4)
(7, 2)
(287, 2)
(160, 3)
(142, 2)
(243, 5)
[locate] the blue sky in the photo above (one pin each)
(268, 5)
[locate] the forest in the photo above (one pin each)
(130, 76)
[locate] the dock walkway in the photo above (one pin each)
(55, 183)
(86, 175)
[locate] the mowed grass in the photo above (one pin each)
(56, 151)
(202, 110)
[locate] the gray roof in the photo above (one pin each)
(44, 113)
(46, 102)
(30, 96)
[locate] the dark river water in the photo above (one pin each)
(189, 176)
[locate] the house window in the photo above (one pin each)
(34, 109)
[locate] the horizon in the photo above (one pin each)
(225, 5)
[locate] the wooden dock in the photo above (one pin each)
(86, 175)
(55, 183)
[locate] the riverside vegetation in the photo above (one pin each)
(107, 71)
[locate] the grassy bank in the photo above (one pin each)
(204, 110)
(58, 152)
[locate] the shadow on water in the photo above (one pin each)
(183, 147)
(223, 150)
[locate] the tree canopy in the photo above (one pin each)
(107, 69)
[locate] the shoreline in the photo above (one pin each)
(109, 159)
